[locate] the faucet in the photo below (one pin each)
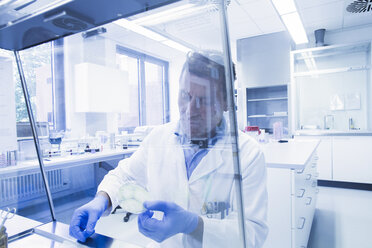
(328, 122)
(351, 124)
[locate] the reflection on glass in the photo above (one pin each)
(103, 107)
(154, 93)
(130, 115)
(21, 184)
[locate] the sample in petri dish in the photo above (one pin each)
(131, 197)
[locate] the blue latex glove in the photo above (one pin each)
(175, 220)
(85, 218)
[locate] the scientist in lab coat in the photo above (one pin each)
(187, 167)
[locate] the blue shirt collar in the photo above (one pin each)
(220, 133)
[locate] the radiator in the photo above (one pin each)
(30, 186)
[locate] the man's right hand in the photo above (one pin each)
(85, 218)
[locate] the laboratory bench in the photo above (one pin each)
(322, 132)
(344, 156)
(292, 188)
(70, 160)
(23, 232)
(292, 191)
(22, 184)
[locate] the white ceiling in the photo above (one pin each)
(247, 18)
(261, 18)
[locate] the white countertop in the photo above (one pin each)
(291, 155)
(55, 161)
(19, 224)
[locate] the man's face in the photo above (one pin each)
(201, 106)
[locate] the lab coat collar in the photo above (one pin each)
(213, 160)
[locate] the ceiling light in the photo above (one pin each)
(171, 14)
(295, 27)
(284, 6)
(151, 35)
(140, 30)
(176, 45)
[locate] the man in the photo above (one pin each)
(188, 168)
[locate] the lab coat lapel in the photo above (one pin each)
(181, 182)
(211, 162)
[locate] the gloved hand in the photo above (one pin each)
(175, 220)
(85, 218)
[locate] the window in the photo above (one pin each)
(148, 87)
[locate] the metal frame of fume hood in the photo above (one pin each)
(34, 133)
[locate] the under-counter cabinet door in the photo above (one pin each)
(352, 159)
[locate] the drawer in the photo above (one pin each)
(302, 231)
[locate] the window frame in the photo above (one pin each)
(141, 59)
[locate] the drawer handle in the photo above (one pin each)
(300, 171)
(309, 200)
(301, 193)
(301, 223)
(308, 176)
(314, 184)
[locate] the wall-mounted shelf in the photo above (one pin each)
(267, 105)
(268, 99)
(329, 71)
(266, 116)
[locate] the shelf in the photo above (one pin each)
(329, 71)
(266, 116)
(268, 99)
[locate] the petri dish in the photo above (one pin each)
(131, 197)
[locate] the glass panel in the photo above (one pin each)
(154, 93)
(129, 118)
(21, 184)
(340, 76)
(184, 172)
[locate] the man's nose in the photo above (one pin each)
(193, 106)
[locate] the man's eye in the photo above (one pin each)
(205, 101)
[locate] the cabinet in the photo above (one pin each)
(266, 105)
(352, 159)
(292, 193)
(324, 152)
(344, 158)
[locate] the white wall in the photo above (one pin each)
(361, 33)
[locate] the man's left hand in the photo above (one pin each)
(175, 220)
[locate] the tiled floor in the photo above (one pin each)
(343, 219)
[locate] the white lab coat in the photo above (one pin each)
(159, 165)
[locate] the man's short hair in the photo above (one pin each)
(209, 66)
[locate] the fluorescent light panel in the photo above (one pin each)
(171, 14)
(140, 30)
(151, 35)
(295, 27)
(284, 6)
(176, 45)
